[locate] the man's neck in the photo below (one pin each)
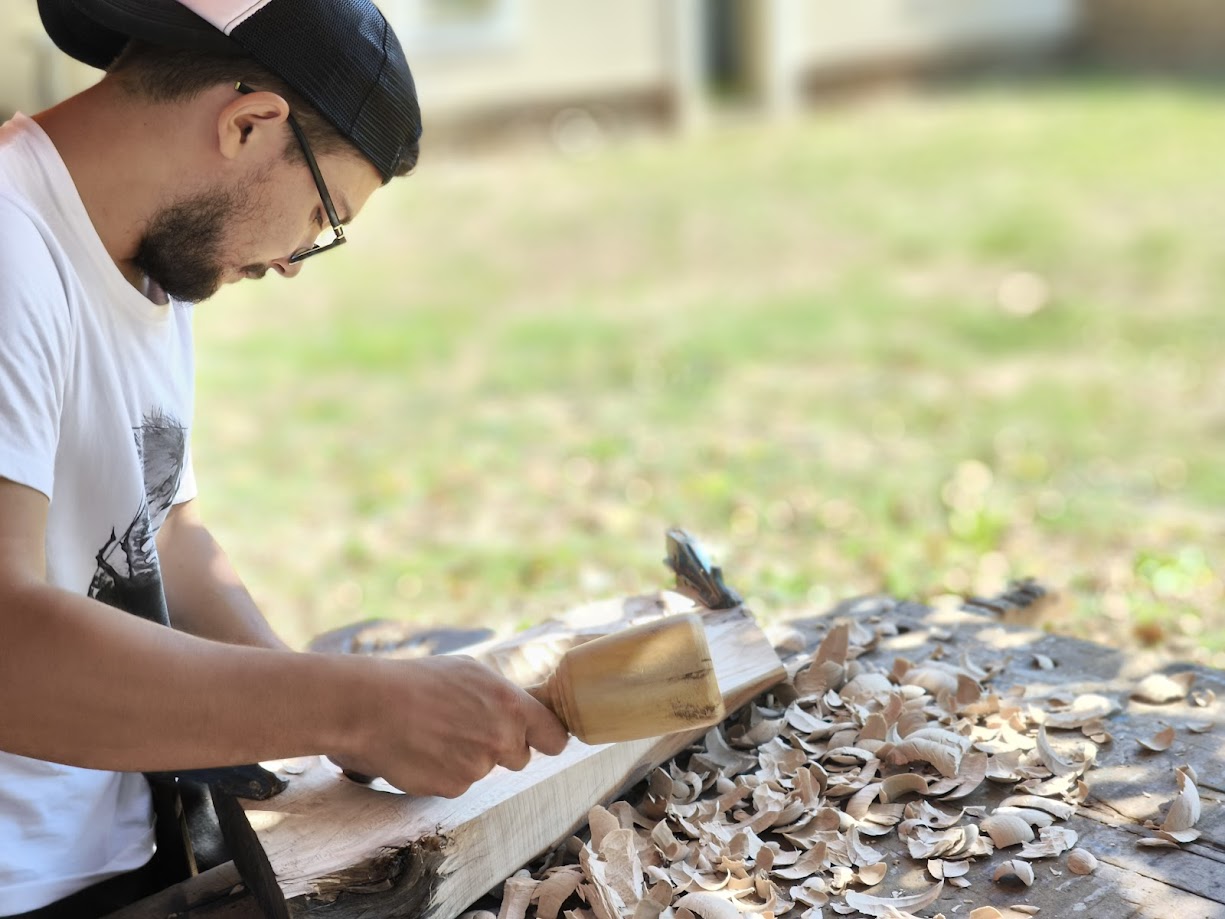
(118, 159)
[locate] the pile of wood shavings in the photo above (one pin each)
(776, 816)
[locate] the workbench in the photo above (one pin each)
(1128, 785)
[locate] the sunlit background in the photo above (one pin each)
(914, 296)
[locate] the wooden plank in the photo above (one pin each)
(352, 851)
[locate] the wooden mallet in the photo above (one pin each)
(651, 679)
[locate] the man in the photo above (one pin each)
(220, 143)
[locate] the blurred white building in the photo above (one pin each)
(498, 62)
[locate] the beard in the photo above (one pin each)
(180, 250)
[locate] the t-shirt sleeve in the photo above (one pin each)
(35, 340)
(187, 481)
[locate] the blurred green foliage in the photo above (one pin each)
(920, 345)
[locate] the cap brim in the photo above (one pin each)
(95, 31)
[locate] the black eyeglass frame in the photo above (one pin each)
(326, 198)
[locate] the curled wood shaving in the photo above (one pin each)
(871, 875)
(1158, 689)
(708, 906)
(722, 757)
(943, 870)
(1052, 761)
(877, 906)
(516, 896)
(1203, 698)
(1007, 830)
(655, 903)
(1179, 824)
(1159, 742)
(1083, 710)
(555, 889)
(1060, 809)
(934, 676)
(906, 783)
(1033, 816)
(972, 773)
(1014, 869)
(835, 645)
(940, 748)
(1051, 841)
(1081, 861)
(1184, 812)
(1157, 842)
(1096, 732)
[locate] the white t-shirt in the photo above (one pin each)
(95, 405)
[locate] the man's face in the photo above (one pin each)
(195, 244)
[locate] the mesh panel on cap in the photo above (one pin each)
(345, 60)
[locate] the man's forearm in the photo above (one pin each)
(205, 595)
(88, 685)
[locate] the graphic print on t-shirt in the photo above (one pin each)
(129, 576)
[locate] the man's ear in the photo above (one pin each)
(251, 124)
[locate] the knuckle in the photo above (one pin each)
(477, 769)
(453, 789)
(519, 760)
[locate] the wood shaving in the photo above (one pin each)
(1007, 830)
(516, 896)
(1158, 689)
(878, 906)
(1179, 824)
(1013, 870)
(1184, 812)
(708, 906)
(1081, 861)
(1159, 742)
(1084, 709)
(555, 889)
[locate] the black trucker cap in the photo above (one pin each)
(340, 55)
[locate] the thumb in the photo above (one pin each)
(545, 731)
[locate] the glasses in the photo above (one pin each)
(338, 229)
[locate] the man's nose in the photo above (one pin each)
(285, 268)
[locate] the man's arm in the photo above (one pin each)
(204, 593)
(88, 685)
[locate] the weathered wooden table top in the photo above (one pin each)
(1128, 785)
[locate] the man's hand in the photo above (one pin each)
(88, 685)
(436, 725)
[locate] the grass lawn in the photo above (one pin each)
(921, 345)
